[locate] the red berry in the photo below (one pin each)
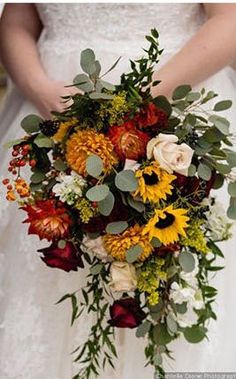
(32, 163)
(14, 153)
(5, 181)
(22, 163)
(14, 172)
(12, 162)
(94, 204)
(10, 169)
(9, 187)
(17, 147)
(26, 148)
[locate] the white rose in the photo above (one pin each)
(170, 156)
(123, 277)
(95, 246)
(131, 164)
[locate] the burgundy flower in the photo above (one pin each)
(126, 313)
(67, 258)
(164, 250)
(150, 116)
(197, 189)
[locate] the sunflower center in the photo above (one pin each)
(152, 179)
(165, 222)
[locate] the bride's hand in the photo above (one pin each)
(47, 97)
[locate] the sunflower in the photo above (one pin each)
(87, 142)
(167, 225)
(154, 183)
(117, 245)
(63, 129)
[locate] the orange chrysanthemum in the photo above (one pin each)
(118, 245)
(48, 219)
(84, 143)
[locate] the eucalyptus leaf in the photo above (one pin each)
(231, 211)
(220, 123)
(195, 334)
(137, 205)
(218, 181)
(95, 270)
(61, 244)
(107, 85)
(116, 227)
(87, 61)
(163, 103)
(192, 170)
(193, 96)
(10, 144)
(181, 308)
(126, 181)
(133, 253)
(232, 189)
(143, 329)
(204, 171)
(94, 166)
(30, 123)
(43, 141)
(187, 261)
(155, 242)
(181, 91)
(161, 335)
(171, 324)
(98, 192)
(105, 206)
(222, 105)
(37, 177)
(100, 96)
(60, 165)
(83, 82)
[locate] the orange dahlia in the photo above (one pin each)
(88, 142)
(118, 245)
(129, 143)
(48, 219)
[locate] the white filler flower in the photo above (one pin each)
(69, 187)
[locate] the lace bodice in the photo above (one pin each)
(116, 25)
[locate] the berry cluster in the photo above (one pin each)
(49, 127)
(21, 156)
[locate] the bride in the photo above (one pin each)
(40, 47)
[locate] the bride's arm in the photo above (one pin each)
(209, 50)
(20, 28)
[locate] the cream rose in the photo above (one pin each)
(170, 156)
(95, 246)
(123, 277)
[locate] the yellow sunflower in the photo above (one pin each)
(87, 142)
(117, 245)
(167, 225)
(154, 183)
(63, 129)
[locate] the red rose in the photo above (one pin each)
(67, 258)
(129, 143)
(151, 116)
(126, 313)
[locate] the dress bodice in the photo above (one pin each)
(116, 25)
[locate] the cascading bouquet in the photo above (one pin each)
(121, 185)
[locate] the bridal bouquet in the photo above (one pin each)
(120, 187)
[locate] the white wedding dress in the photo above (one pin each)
(35, 335)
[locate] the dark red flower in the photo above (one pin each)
(126, 313)
(67, 258)
(48, 219)
(164, 250)
(129, 143)
(150, 116)
(195, 188)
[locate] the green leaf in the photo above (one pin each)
(107, 85)
(112, 67)
(195, 334)
(34, 187)
(105, 206)
(192, 170)
(10, 144)
(95, 270)
(231, 211)
(94, 166)
(30, 123)
(204, 171)
(37, 177)
(155, 242)
(161, 335)
(222, 168)
(232, 189)
(60, 165)
(83, 82)
(126, 181)
(100, 96)
(222, 105)
(230, 157)
(42, 141)
(163, 103)
(157, 360)
(171, 324)
(218, 182)
(143, 329)
(98, 192)
(220, 123)
(133, 253)
(187, 261)
(193, 96)
(181, 91)
(181, 308)
(87, 61)
(116, 227)
(137, 205)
